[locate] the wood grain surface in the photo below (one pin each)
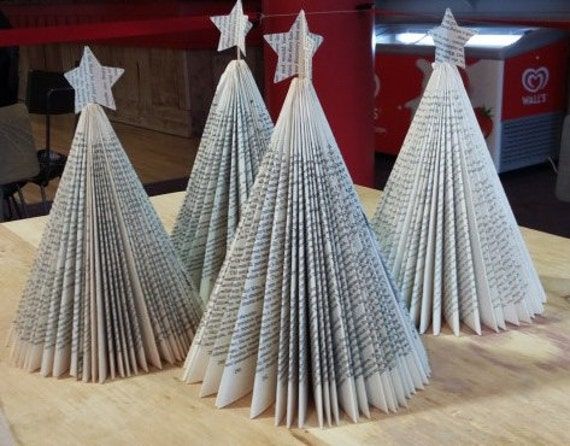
(502, 388)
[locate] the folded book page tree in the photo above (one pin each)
(304, 308)
(236, 136)
(106, 296)
(444, 221)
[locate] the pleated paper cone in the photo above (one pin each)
(304, 309)
(235, 138)
(446, 226)
(106, 296)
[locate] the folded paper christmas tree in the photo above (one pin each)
(304, 308)
(235, 138)
(106, 296)
(444, 221)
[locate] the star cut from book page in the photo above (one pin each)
(450, 39)
(295, 49)
(233, 28)
(92, 82)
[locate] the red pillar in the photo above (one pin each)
(342, 74)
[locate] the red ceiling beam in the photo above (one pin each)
(21, 16)
(103, 31)
(181, 32)
(73, 14)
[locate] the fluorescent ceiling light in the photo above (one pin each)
(478, 40)
(493, 40)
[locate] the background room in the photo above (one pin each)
(170, 78)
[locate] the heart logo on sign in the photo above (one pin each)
(535, 79)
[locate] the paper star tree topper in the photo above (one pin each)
(450, 39)
(295, 49)
(233, 28)
(92, 82)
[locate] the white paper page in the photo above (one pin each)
(325, 308)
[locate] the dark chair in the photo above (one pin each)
(10, 207)
(9, 56)
(49, 93)
(18, 155)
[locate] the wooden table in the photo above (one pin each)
(506, 388)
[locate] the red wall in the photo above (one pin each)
(535, 82)
(342, 74)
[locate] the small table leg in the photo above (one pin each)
(1, 204)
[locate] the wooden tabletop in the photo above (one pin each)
(507, 388)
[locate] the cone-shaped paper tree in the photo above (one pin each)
(444, 221)
(107, 296)
(304, 309)
(235, 138)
